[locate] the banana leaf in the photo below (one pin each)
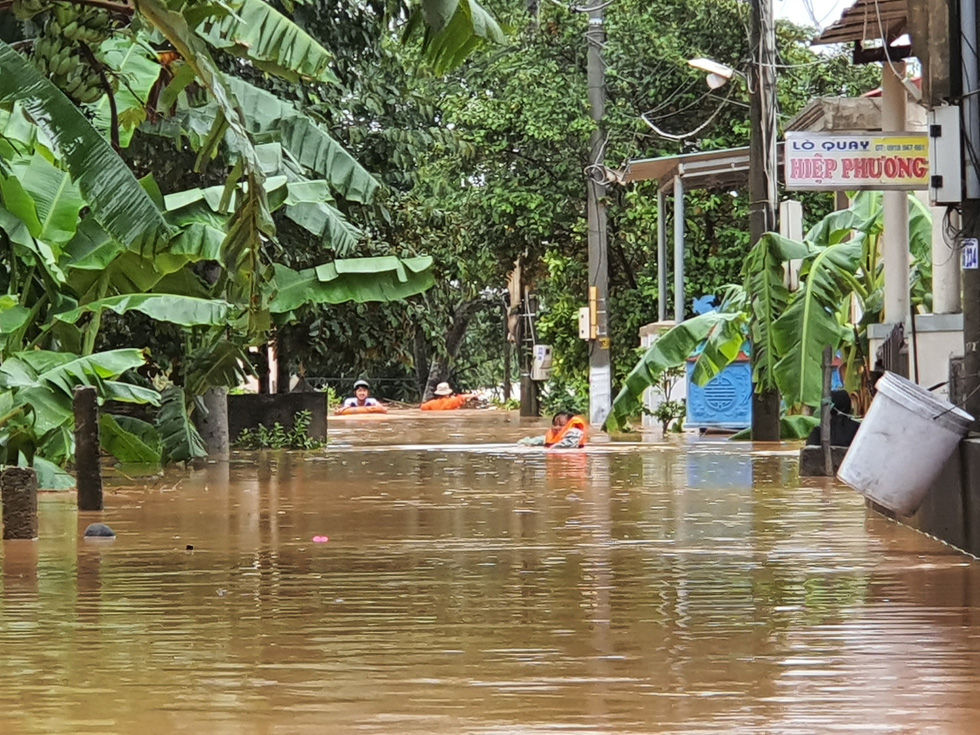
(453, 29)
(129, 439)
(355, 279)
(187, 311)
(809, 324)
(106, 183)
(138, 71)
(768, 296)
(272, 42)
(56, 199)
(179, 438)
(220, 364)
(50, 476)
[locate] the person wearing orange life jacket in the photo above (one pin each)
(567, 432)
(446, 400)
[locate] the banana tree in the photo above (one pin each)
(789, 330)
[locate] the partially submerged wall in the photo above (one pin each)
(951, 510)
(250, 410)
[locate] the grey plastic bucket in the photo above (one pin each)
(902, 444)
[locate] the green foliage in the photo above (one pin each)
(278, 437)
(179, 438)
(129, 439)
(669, 412)
(790, 330)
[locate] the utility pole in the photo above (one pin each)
(970, 80)
(600, 373)
(763, 177)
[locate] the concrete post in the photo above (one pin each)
(214, 426)
(945, 267)
(679, 297)
(661, 255)
(18, 493)
(600, 364)
(88, 458)
(895, 238)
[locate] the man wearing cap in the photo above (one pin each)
(361, 401)
(446, 400)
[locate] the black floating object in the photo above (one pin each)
(99, 530)
(189, 547)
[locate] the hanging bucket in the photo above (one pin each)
(902, 445)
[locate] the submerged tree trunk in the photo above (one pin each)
(441, 366)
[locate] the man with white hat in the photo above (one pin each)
(446, 400)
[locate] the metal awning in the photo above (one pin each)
(728, 167)
(868, 20)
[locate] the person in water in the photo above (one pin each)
(567, 431)
(446, 400)
(361, 401)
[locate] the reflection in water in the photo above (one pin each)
(486, 588)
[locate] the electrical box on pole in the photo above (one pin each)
(945, 155)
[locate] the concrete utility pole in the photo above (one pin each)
(763, 175)
(600, 373)
(970, 78)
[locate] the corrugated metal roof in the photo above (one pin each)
(868, 20)
(708, 169)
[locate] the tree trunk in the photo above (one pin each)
(421, 350)
(282, 364)
(441, 366)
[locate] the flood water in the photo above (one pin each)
(472, 586)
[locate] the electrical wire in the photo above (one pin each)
(684, 136)
(915, 93)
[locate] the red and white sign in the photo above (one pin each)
(851, 161)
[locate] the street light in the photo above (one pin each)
(718, 74)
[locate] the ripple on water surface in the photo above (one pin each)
(695, 587)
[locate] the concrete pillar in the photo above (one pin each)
(945, 267)
(88, 454)
(18, 494)
(895, 248)
(791, 226)
(661, 255)
(678, 249)
(214, 426)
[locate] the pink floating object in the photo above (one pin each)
(320, 539)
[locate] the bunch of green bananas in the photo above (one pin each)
(27, 9)
(61, 60)
(82, 83)
(82, 24)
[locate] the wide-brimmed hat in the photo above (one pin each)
(361, 384)
(443, 389)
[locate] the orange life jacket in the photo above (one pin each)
(446, 403)
(556, 434)
(352, 410)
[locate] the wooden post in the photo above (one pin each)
(18, 493)
(88, 460)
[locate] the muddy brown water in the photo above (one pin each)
(471, 586)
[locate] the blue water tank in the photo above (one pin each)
(725, 402)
